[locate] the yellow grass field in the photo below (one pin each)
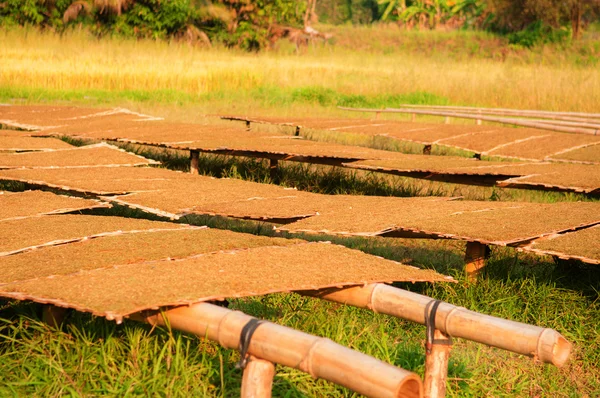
(223, 80)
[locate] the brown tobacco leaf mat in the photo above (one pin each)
(19, 143)
(525, 143)
(89, 156)
(545, 146)
(28, 233)
(133, 248)
(483, 142)
(580, 245)
(34, 203)
(124, 289)
(159, 191)
(572, 177)
(501, 223)
(589, 153)
(49, 117)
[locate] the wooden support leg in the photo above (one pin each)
(479, 122)
(475, 257)
(427, 149)
(274, 170)
(413, 117)
(376, 115)
(436, 366)
(258, 378)
(53, 316)
(447, 120)
(194, 158)
(248, 125)
(297, 133)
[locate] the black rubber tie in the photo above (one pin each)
(245, 337)
(430, 323)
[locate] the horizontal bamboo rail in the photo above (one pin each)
(317, 356)
(516, 122)
(547, 345)
(569, 116)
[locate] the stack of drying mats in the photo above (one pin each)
(59, 250)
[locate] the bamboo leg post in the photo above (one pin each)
(547, 345)
(475, 256)
(427, 149)
(194, 161)
(413, 117)
(447, 120)
(317, 356)
(274, 170)
(53, 316)
(436, 366)
(257, 381)
(377, 115)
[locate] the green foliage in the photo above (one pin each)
(237, 23)
(431, 13)
(538, 33)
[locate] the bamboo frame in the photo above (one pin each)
(516, 122)
(436, 366)
(475, 255)
(319, 357)
(257, 380)
(194, 162)
(547, 345)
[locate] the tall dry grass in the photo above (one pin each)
(31, 60)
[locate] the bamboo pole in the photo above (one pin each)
(569, 116)
(475, 255)
(258, 378)
(547, 345)
(194, 162)
(436, 366)
(319, 357)
(53, 316)
(274, 170)
(516, 122)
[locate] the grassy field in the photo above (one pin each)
(91, 356)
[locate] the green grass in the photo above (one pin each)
(91, 356)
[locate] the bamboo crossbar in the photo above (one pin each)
(516, 122)
(547, 345)
(317, 356)
(573, 116)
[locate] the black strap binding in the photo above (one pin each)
(245, 337)
(430, 313)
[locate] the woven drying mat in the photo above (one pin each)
(20, 143)
(203, 194)
(583, 178)
(132, 248)
(29, 233)
(425, 163)
(501, 223)
(493, 137)
(90, 156)
(589, 153)
(42, 115)
(580, 245)
(101, 180)
(542, 147)
(121, 290)
(35, 203)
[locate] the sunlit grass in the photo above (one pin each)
(78, 67)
